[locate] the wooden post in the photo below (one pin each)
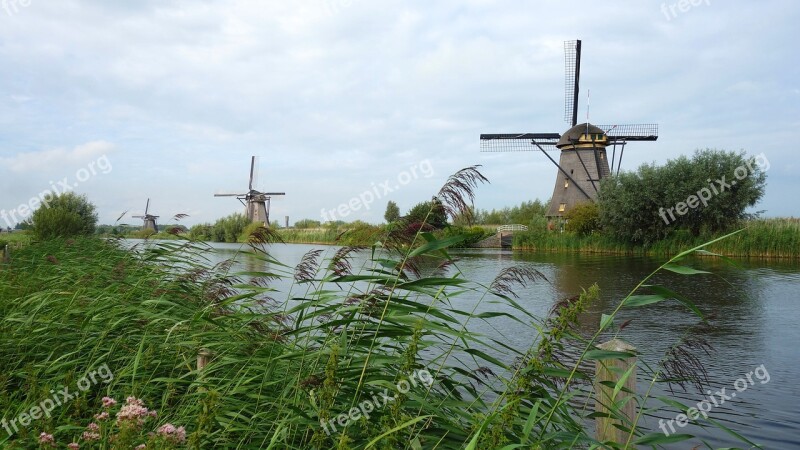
(203, 357)
(612, 370)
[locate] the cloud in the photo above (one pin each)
(58, 157)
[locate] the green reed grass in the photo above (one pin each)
(284, 364)
(768, 238)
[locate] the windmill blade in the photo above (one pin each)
(137, 217)
(631, 132)
(272, 193)
(518, 142)
(228, 194)
(252, 168)
(572, 60)
(147, 208)
(256, 172)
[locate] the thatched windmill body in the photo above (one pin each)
(149, 220)
(583, 161)
(256, 203)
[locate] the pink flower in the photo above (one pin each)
(133, 410)
(73, 446)
(108, 402)
(102, 416)
(90, 436)
(45, 438)
(172, 434)
(93, 427)
(140, 447)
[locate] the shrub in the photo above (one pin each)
(431, 213)
(583, 219)
(64, 215)
(641, 207)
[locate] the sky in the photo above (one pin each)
(356, 102)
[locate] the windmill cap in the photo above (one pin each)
(574, 134)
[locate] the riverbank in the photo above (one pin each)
(145, 320)
(762, 238)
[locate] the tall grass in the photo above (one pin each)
(282, 373)
(769, 238)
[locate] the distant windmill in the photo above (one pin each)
(256, 203)
(583, 162)
(148, 219)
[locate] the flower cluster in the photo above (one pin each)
(127, 429)
(172, 434)
(134, 411)
(46, 440)
(92, 433)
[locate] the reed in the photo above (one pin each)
(768, 238)
(313, 370)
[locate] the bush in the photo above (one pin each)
(64, 215)
(307, 223)
(430, 213)
(641, 207)
(583, 219)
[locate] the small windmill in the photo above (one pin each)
(148, 219)
(256, 203)
(584, 160)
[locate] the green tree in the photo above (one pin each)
(392, 212)
(527, 213)
(584, 218)
(64, 215)
(709, 192)
(431, 212)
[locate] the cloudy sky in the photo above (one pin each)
(169, 99)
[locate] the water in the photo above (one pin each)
(755, 309)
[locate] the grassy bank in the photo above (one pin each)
(313, 372)
(364, 235)
(15, 239)
(768, 238)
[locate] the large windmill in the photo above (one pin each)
(256, 203)
(148, 219)
(584, 160)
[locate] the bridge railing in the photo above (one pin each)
(514, 227)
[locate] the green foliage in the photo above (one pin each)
(583, 219)
(527, 213)
(634, 206)
(64, 215)
(430, 212)
(307, 223)
(774, 238)
(472, 235)
(392, 212)
(226, 229)
(201, 232)
(285, 373)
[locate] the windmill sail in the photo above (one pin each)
(583, 159)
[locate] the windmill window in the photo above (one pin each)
(562, 207)
(566, 184)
